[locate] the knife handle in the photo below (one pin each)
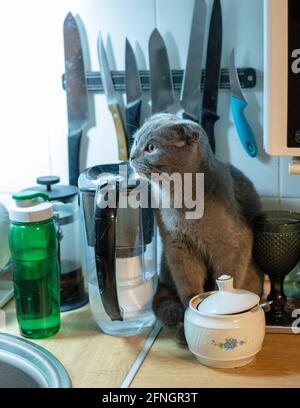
(74, 150)
(121, 136)
(244, 130)
(188, 117)
(208, 121)
(133, 114)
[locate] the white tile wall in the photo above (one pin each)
(33, 139)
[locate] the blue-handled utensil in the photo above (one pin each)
(238, 105)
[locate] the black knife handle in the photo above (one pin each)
(188, 117)
(133, 115)
(208, 123)
(74, 150)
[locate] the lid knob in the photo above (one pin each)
(48, 181)
(225, 283)
(228, 300)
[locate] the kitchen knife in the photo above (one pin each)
(212, 74)
(77, 97)
(191, 88)
(112, 100)
(161, 82)
(133, 94)
(238, 104)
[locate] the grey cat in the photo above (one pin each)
(197, 251)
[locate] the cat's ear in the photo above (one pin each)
(184, 134)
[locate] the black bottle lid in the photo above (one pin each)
(55, 191)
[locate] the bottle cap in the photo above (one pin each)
(30, 206)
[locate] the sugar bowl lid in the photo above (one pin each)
(228, 300)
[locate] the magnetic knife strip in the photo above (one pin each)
(247, 76)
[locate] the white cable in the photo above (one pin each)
(141, 356)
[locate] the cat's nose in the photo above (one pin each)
(133, 155)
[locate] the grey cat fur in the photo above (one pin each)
(196, 252)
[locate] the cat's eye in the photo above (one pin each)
(151, 148)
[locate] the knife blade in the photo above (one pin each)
(112, 101)
(190, 98)
(212, 74)
(133, 94)
(238, 104)
(161, 82)
(77, 95)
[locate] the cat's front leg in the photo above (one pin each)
(187, 270)
(167, 307)
(234, 257)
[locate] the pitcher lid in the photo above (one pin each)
(55, 192)
(228, 300)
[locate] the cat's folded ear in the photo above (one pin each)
(184, 134)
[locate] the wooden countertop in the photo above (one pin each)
(168, 365)
(92, 358)
(96, 360)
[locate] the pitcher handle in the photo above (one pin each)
(105, 257)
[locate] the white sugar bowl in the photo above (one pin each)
(225, 329)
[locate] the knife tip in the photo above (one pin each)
(155, 33)
(69, 18)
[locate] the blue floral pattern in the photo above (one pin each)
(229, 344)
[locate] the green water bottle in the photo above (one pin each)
(33, 241)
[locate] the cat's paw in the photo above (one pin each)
(170, 313)
(180, 336)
